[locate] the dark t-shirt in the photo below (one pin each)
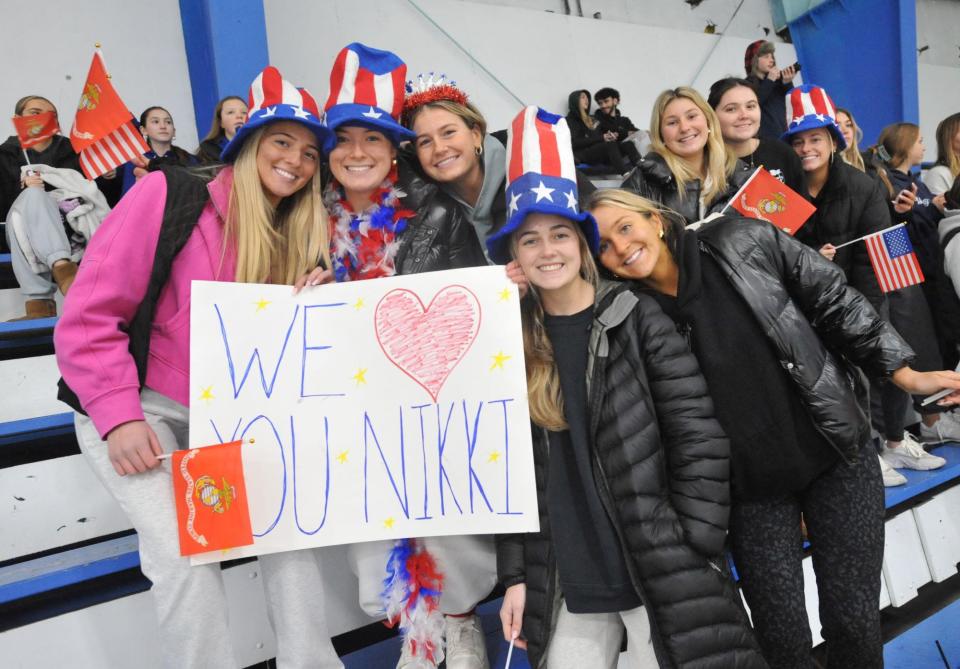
(590, 562)
(779, 159)
(775, 448)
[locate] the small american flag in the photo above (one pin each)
(112, 150)
(893, 259)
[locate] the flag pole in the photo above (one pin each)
(860, 239)
(742, 188)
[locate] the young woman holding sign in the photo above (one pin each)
(773, 325)
(262, 223)
(631, 466)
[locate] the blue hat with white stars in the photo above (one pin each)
(541, 178)
(810, 107)
(273, 98)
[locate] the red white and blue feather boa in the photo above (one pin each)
(365, 245)
(411, 598)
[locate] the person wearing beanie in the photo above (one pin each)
(259, 222)
(386, 220)
(631, 465)
(771, 84)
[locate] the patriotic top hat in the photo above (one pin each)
(541, 177)
(366, 89)
(273, 98)
(810, 107)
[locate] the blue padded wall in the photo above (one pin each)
(226, 44)
(864, 53)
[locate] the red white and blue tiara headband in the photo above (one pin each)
(273, 98)
(810, 107)
(541, 178)
(366, 89)
(428, 89)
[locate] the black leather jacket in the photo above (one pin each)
(662, 470)
(814, 319)
(654, 180)
(438, 237)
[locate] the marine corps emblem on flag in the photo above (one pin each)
(90, 98)
(766, 198)
(211, 515)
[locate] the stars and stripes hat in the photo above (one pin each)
(541, 177)
(273, 98)
(367, 89)
(810, 107)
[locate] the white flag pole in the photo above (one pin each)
(860, 239)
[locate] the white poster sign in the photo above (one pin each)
(367, 410)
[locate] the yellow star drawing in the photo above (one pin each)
(342, 458)
(361, 376)
(498, 360)
(504, 295)
(388, 523)
(494, 457)
(261, 304)
(358, 304)
(206, 394)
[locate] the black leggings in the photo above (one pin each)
(843, 510)
(601, 153)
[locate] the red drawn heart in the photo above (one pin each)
(427, 343)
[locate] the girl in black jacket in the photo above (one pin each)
(772, 324)
(631, 467)
(690, 169)
(229, 114)
(590, 143)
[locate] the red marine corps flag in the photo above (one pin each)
(767, 198)
(103, 132)
(31, 130)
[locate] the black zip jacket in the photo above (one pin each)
(654, 181)
(662, 471)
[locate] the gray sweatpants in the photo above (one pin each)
(593, 640)
(47, 239)
(190, 600)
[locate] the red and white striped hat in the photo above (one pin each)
(810, 107)
(367, 89)
(273, 98)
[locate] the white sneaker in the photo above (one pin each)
(466, 647)
(410, 661)
(891, 477)
(910, 455)
(947, 428)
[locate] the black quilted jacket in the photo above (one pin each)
(654, 181)
(662, 472)
(438, 237)
(814, 319)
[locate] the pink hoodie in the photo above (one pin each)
(92, 349)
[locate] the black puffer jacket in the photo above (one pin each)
(851, 204)
(654, 180)
(438, 237)
(814, 319)
(661, 470)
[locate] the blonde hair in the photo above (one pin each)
(851, 154)
(898, 139)
(471, 115)
(719, 160)
(274, 245)
(544, 395)
(673, 223)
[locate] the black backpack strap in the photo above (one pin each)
(187, 195)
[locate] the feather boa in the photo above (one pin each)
(411, 597)
(364, 246)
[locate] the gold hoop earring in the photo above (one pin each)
(479, 150)
(661, 233)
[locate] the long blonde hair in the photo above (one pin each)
(274, 245)
(946, 130)
(720, 160)
(544, 395)
(851, 154)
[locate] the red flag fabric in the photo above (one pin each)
(211, 498)
(893, 259)
(103, 133)
(767, 198)
(32, 130)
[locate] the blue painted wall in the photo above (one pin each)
(864, 52)
(226, 43)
